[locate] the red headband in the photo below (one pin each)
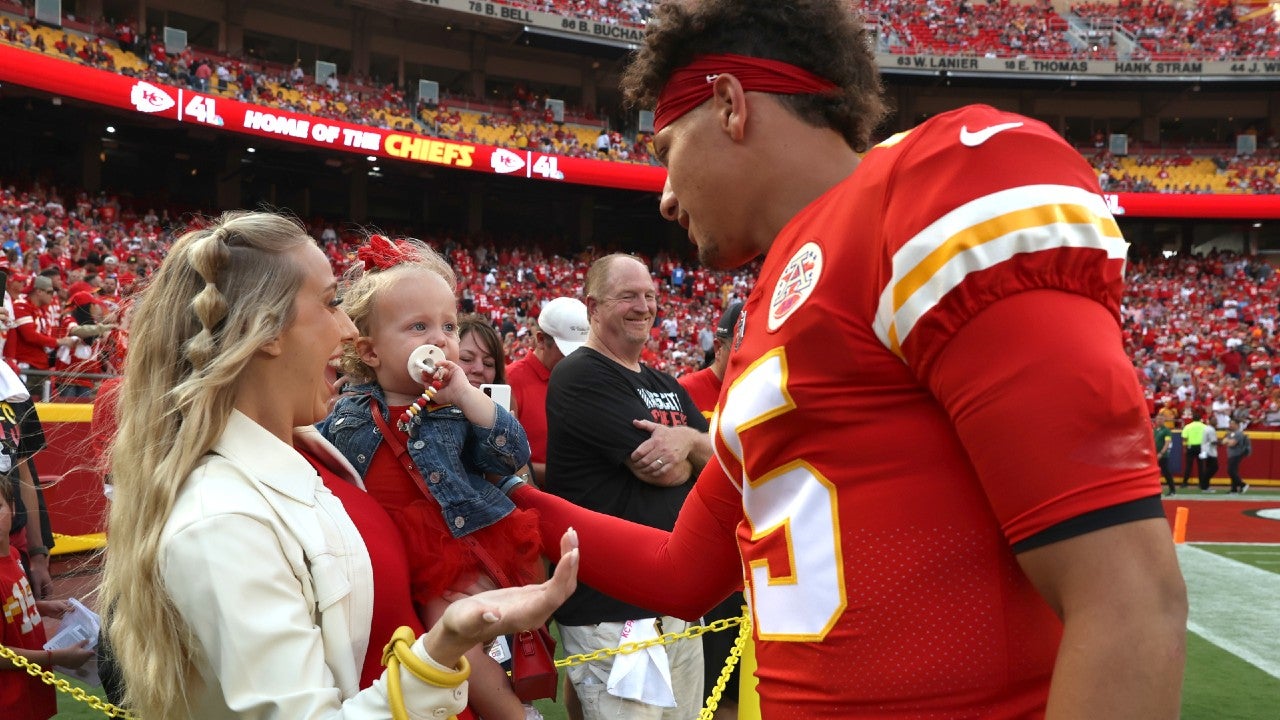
(382, 254)
(690, 86)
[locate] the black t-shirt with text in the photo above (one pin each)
(591, 402)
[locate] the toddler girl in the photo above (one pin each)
(429, 473)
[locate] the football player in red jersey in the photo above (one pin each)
(934, 468)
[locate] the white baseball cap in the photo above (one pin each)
(565, 320)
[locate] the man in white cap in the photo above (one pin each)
(562, 327)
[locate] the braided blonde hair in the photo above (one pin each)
(221, 294)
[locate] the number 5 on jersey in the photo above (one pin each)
(790, 509)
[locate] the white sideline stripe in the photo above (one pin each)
(1226, 596)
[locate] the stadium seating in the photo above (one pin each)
(1000, 28)
(1184, 172)
(1212, 30)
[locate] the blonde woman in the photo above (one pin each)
(245, 570)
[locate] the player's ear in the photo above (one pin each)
(731, 106)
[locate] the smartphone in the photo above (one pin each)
(501, 394)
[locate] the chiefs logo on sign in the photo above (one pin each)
(796, 284)
(150, 99)
(504, 161)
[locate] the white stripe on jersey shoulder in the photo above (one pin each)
(26, 320)
(893, 139)
(982, 234)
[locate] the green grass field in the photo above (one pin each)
(1233, 600)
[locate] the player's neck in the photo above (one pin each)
(818, 162)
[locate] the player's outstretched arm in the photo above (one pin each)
(698, 561)
(474, 619)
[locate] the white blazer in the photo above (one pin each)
(275, 583)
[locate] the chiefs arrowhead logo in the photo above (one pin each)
(504, 161)
(795, 284)
(150, 99)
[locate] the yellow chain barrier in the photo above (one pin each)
(713, 700)
(663, 639)
(63, 686)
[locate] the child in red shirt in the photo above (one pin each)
(22, 696)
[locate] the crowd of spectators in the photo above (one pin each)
(1201, 331)
(505, 280)
(999, 28)
(1162, 30)
(1210, 30)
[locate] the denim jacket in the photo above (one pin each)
(450, 452)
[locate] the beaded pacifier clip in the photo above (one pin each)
(423, 362)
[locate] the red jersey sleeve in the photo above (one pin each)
(1051, 416)
(698, 560)
(982, 205)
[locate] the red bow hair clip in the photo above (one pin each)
(382, 254)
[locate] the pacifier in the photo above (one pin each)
(424, 361)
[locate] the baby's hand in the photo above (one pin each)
(453, 384)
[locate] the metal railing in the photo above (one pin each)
(46, 386)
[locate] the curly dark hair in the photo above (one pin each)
(825, 37)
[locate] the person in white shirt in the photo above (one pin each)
(240, 582)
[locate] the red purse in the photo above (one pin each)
(533, 667)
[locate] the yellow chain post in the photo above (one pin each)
(63, 686)
(735, 654)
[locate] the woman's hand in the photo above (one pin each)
(473, 619)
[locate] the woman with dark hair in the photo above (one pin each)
(480, 351)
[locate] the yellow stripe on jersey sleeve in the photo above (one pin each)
(982, 234)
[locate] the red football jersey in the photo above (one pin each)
(929, 376)
(877, 534)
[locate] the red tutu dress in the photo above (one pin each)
(438, 561)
